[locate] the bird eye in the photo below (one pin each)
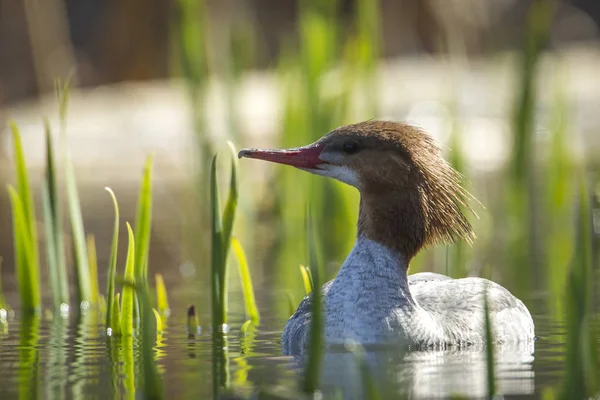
(350, 147)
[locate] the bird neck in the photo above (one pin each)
(394, 219)
(374, 268)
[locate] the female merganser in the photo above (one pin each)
(409, 198)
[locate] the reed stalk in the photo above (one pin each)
(127, 306)
(312, 370)
(24, 231)
(53, 225)
(111, 320)
(246, 281)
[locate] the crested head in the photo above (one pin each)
(410, 196)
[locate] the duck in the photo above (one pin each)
(410, 198)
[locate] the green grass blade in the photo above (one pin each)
(28, 281)
(24, 189)
(159, 324)
(51, 248)
(26, 224)
(581, 361)
(227, 227)
(53, 225)
(219, 311)
(306, 278)
(246, 280)
(128, 291)
(63, 92)
(81, 259)
(93, 263)
(489, 349)
(112, 266)
(312, 370)
(152, 382)
(162, 303)
(115, 322)
(143, 223)
(230, 207)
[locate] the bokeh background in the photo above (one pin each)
(510, 89)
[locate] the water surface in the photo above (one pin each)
(73, 358)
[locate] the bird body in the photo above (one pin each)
(420, 311)
(410, 198)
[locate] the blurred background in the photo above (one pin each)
(509, 88)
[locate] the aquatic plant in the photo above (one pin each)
(162, 302)
(24, 231)
(312, 369)
(77, 230)
(143, 223)
(521, 199)
(127, 303)
(192, 321)
(221, 227)
(113, 321)
(93, 263)
(53, 224)
(489, 348)
(581, 363)
(246, 280)
(306, 278)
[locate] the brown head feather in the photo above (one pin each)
(410, 196)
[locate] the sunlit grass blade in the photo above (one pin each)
(143, 223)
(128, 291)
(306, 278)
(162, 303)
(159, 324)
(112, 268)
(93, 263)
(28, 284)
(246, 279)
(227, 227)
(581, 362)
(25, 231)
(24, 189)
(315, 351)
(115, 317)
(53, 225)
(489, 348)
(232, 199)
(219, 310)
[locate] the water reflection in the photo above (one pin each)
(29, 358)
(428, 374)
